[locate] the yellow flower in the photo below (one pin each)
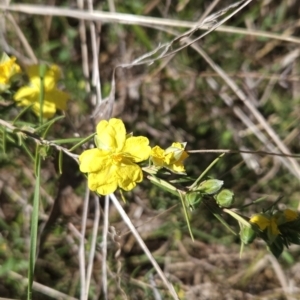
(172, 158)
(53, 98)
(8, 68)
(113, 163)
(290, 215)
(266, 222)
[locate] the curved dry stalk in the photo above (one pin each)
(93, 245)
(84, 49)
(104, 247)
(23, 39)
(95, 41)
(81, 250)
(41, 288)
(112, 17)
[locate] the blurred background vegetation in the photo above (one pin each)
(179, 98)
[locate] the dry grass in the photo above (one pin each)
(214, 86)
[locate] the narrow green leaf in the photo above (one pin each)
(28, 152)
(163, 185)
(183, 202)
(48, 123)
(83, 141)
(67, 141)
(220, 218)
(21, 113)
(237, 217)
(34, 225)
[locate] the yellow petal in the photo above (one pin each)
(177, 145)
(157, 156)
(104, 185)
(262, 221)
(169, 158)
(273, 228)
(49, 83)
(27, 92)
(8, 68)
(128, 176)
(54, 72)
(111, 135)
(178, 167)
(107, 188)
(33, 71)
(57, 97)
(137, 147)
(94, 160)
(290, 215)
(49, 109)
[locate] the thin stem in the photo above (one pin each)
(93, 245)
(104, 247)
(34, 224)
(81, 246)
(143, 246)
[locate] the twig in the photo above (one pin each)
(112, 17)
(38, 139)
(84, 50)
(95, 50)
(41, 288)
(243, 151)
(23, 39)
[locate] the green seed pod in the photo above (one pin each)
(247, 235)
(225, 198)
(193, 198)
(210, 186)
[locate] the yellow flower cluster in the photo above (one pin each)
(53, 98)
(270, 223)
(114, 162)
(8, 68)
(172, 158)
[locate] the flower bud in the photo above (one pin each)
(210, 186)
(247, 235)
(194, 198)
(225, 198)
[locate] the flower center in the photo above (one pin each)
(117, 158)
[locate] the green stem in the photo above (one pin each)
(34, 224)
(195, 184)
(186, 214)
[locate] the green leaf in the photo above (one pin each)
(163, 185)
(83, 141)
